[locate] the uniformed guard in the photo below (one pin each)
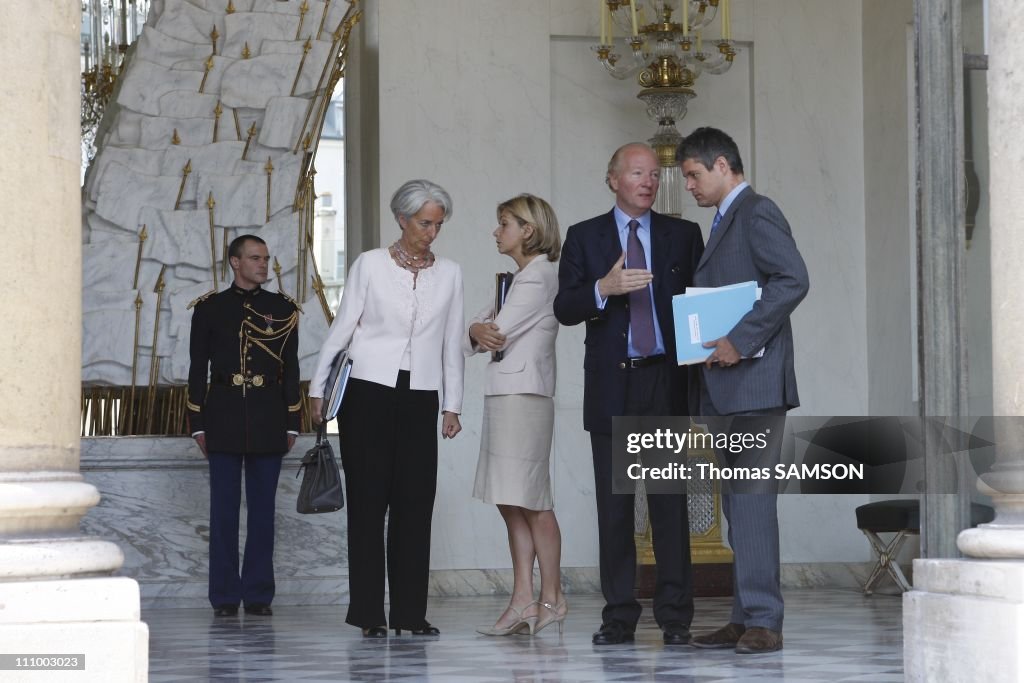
(243, 402)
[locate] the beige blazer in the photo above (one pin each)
(528, 323)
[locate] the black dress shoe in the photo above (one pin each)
(225, 611)
(674, 633)
(259, 610)
(375, 632)
(424, 629)
(613, 633)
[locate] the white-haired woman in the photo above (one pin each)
(402, 322)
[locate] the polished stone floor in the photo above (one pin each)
(830, 635)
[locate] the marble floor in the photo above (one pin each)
(830, 635)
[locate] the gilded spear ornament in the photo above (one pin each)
(269, 168)
(317, 92)
(310, 214)
(300, 187)
(277, 275)
(213, 249)
(303, 8)
(175, 140)
(318, 287)
(129, 429)
(154, 361)
(323, 18)
(138, 257)
(246, 52)
(184, 177)
(213, 38)
(248, 138)
(206, 74)
(321, 97)
(317, 280)
(217, 112)
(300, 249)
(307, 46)
(230, 8)
(224, 256)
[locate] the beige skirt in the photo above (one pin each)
(515, 451)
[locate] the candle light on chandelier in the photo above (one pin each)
(667, 57)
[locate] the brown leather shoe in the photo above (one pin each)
(758, 640)
(727, 636)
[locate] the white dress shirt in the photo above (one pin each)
(388, 325)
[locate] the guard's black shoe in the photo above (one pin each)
(225, 611)
(375, 632)
(259, 610)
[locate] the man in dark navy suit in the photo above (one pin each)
(243, 402)
(618, 274)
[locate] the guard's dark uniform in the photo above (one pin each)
(243, 392)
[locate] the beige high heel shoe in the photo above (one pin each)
(521, 625)
(556, 614)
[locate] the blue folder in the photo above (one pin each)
(708, 315)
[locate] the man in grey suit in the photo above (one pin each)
(750, 240)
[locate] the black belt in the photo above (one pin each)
(237, 380)
(642, 362)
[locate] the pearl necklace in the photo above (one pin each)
(413, 264)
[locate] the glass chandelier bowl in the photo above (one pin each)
(664, 38)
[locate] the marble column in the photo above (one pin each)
(964, 620)
(57, 592)
(1004, 537)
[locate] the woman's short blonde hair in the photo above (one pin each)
(531, 210)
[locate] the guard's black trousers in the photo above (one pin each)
(255, 584)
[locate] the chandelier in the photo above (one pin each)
(664, 46)
(108, 28)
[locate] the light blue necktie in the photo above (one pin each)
(716, 221)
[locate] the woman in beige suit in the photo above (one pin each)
(515, 442)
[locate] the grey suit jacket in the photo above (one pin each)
(753, 242)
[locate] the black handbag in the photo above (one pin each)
(320, 490)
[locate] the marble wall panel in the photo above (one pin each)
(181, 237)
(159, 48)
(110, 316)
(145, 161)
(282, 124)
(254, 28)
(122, 195)
(188, 104)
(144, 83)
(156, 133)
(187, 22)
